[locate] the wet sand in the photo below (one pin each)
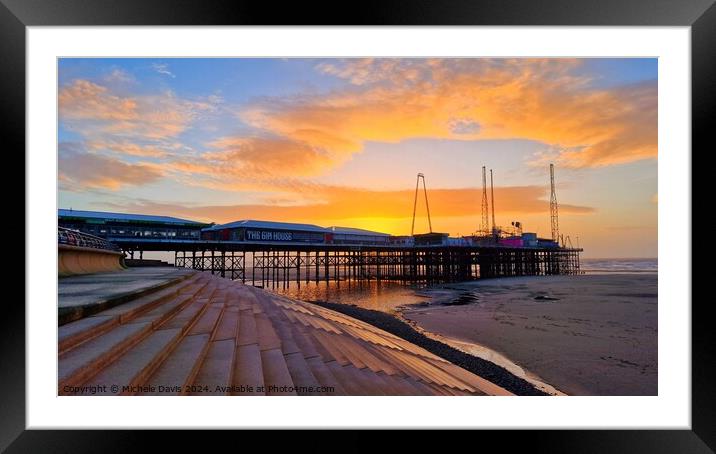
(583, 335)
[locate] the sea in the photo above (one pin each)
(389, 296)
(621, 266)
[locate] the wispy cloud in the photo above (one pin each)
(163, 68)
(124, 148)
(120, 76)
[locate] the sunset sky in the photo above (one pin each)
(339, 142)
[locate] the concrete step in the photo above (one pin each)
(371, 382)
(329, 350)
(276, 374)
(214, 376)
(348, 382)
(396, 386)
(283, 329)
(86, 295)
(163, 312)
(460, 392)
(267, 336)
(292, 305)
(136, 365)
(76, 332)
(244, 295)
(421, 388)
(395, 359)
(429, 373)
(475, 381)
(373, 361)
(133, 308)
(371, 337)
(353, 351)
(208, 320)
(439, 376)
(350, 349)
(376, 361)
(174, 318)
(301, 374)
(324, 376)
(203, 287)
(407, 386)
(85, 360)
(419, 371)
(247, 328)
(415, 350)
(360, 325)
(228, 327)
(436, 389)
(185, 316)
(305, 343)
(179, 369)
(316, 322)
(248, 371)
(350, 378)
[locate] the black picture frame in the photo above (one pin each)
(700, 15)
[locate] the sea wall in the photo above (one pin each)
(74, 260)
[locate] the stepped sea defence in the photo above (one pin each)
(205, 335)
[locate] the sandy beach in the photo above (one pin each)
(583, 335)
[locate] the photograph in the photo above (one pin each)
(465, 216)
(357, 226)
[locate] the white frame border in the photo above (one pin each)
(671, 409)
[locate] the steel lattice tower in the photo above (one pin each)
(485, 225)
(553, 207)
(492, 196)
(415, 203)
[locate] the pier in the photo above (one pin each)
(267, 253)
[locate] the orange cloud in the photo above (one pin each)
(627, 120)
(83, 170)
(84, 100)
(94, 112)
(468, 99)
(267, 156)
(128, 148)
(117, 127)
(375, 70)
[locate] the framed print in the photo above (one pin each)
(417, 216)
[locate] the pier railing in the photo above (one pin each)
(71, 237)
